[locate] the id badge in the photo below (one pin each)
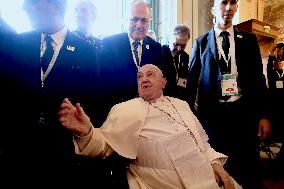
(279, 84)
(182, 82)
(229, 84)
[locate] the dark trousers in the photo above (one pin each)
(234, 133)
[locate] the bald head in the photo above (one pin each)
(140, 19)
(151, 82)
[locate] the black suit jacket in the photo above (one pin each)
(205, 76)
(6, 34)
(275, 98)
(170, 67)
(118, 67)
(5, 31)
(96, 42)
(30, 145)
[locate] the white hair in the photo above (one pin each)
(154, 67)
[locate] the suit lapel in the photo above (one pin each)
(32, 44)
(212, 43)
(145, 48)
(64, 53)
(127, 48)
(238, 46)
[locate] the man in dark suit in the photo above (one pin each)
(5, 32)
(85, 12)
(177, 61)
(38, 149)
(120, 59)
(226, 87)
(275, 78)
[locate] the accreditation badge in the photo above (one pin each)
(229, 84)
(279, 84)
(182, 82)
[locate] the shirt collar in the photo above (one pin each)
(59, 36)
(159, 100)
(218, 31)
(132, 40)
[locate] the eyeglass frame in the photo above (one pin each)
(142, 20)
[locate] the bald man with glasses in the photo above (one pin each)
(123, 54)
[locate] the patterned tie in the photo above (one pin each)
(48, 53)
(135, 49)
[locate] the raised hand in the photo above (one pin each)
(74, 118)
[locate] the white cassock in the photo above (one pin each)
(165, 141)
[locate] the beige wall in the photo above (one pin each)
(197, 14)
(187, 15)
(274, 14)
(247, 10)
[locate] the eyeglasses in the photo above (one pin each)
(181, 45)
(280, 45)
(142, 20)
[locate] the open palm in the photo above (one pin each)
(74, 118)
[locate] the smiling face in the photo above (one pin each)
(224, 12)
(139, 20)
(151, 82)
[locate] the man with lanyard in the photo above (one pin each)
(275, 76)
(47, 64)
(85, 12)
(177, 61)
(227, 90)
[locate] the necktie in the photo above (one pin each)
(225, 42)
(48, 53)
(135, 49)
(225, 67)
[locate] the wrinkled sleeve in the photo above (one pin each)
(92, 145)
(118, 133)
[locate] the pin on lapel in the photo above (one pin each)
(147, 47)
(70, 48)
(239, 36)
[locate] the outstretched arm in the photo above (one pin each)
(74, 118)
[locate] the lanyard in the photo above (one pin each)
(50, 65)
(280, 75)
(178, 66)
(223, 54)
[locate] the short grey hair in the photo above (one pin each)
(182, 29)
(142, 1)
